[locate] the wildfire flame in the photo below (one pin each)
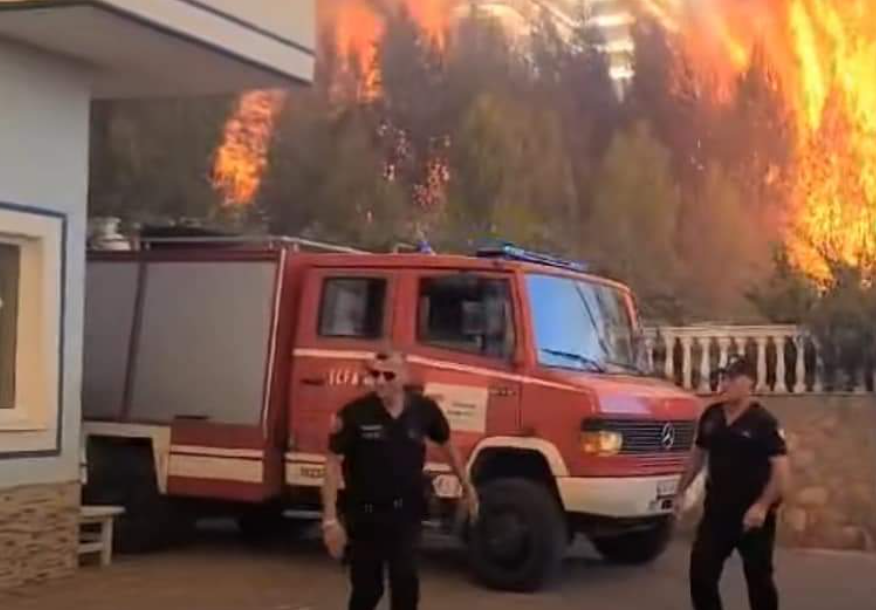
(240, 161)
(823, 55)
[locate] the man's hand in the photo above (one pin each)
(755, 517)
(679, 505)
(472, 502)
(335, 538)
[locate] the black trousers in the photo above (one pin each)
(378, 547)
(717, 538)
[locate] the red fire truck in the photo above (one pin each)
(213, 366)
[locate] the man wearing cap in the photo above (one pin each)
(378, 447)
(744, 449)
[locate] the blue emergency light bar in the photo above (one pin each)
(514, 253)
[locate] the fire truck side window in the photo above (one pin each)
(467, 313)
(352, 308)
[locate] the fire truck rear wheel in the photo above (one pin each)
(638, 547)
(263, 523)
(519, 539)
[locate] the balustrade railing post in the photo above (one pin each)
(800, 371)
(781, 369)
(649, 353)
(818, 385)
(705, 364)
(724, 353)
(686, 362)
(669, 364)
(762, 384)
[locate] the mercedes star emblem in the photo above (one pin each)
(667, 437)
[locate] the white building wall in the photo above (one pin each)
(44, 127)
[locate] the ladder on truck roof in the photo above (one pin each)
(271, 241)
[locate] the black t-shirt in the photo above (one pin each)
(384, 456)
(739, 457)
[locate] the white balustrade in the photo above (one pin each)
(669, 364)
(705, 364)
(724, 347)
(762, 344)
(649, 352)
(800, 368)
(818, 387)
(771, 344)
(686, 361)
(781, 386)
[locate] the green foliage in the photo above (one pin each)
(631, 229)
(723, 251)
(510, 177)
(787, 296)
(151, 161)
(843, 322)
(326, 180)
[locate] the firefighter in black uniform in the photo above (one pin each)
(378, 446)
(745, 450)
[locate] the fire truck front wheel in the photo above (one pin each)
(519, 539)
(637, 547)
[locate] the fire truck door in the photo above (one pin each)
(346, 318)
(464, 346)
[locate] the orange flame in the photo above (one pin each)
(823, 54)
(240, 161)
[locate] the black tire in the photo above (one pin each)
(638, 547)
(125, 476)
(261, 523)
(520, 537)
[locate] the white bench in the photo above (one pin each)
(100, 541)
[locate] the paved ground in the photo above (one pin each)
(220, 573)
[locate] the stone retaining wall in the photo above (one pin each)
(832, 440)
(38, 533)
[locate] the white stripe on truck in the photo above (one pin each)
(331, 354)
(216, 468)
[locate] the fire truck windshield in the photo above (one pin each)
(582, 325)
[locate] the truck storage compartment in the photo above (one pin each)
(168, 339)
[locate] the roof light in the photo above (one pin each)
(515, 253)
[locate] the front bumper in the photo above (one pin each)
(619, 497)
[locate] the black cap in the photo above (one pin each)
(740, 366)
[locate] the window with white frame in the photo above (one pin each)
(31, 302)
(10, 272)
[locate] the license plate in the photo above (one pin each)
(667, 488)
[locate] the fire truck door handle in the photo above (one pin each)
(314, 381)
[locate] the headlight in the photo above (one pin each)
(602, 442)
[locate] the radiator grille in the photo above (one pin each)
(648, 436)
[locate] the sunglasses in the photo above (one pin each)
(386, 375)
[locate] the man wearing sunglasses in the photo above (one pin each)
(378, 448)
(744, 449)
